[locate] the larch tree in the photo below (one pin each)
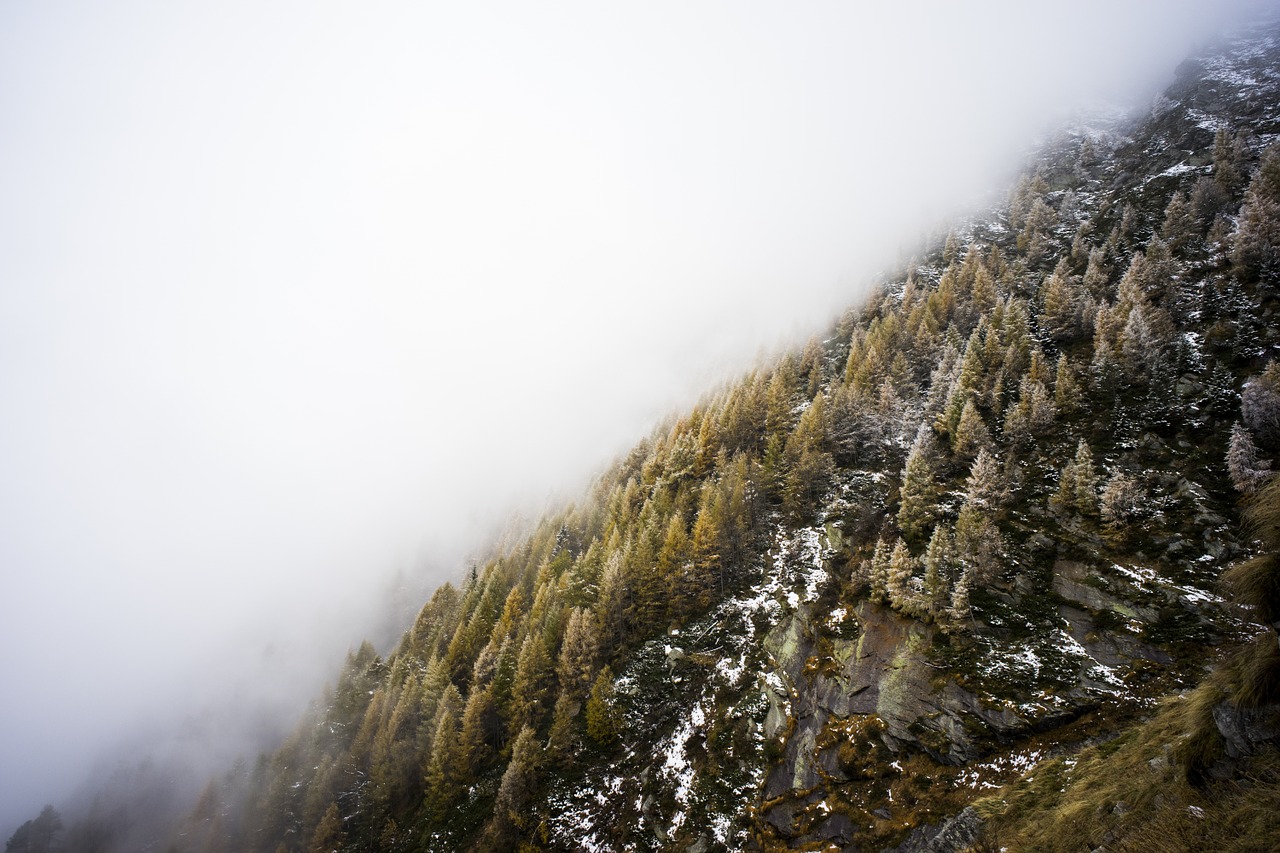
(898, 583)
(919, 492)
(328, 836)
(1078, 485)
(878, 572)
(1246, 469)
(939, 560)
(1256, 243)
(603, 718)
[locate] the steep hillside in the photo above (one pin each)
(977, 526)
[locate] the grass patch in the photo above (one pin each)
(1133, 793)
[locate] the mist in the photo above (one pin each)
(300, 301)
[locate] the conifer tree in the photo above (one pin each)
(1260, 406)
(578, 652)
(1119, 506)
(937, 571)
(442, 781)
(1256, 244)
(602, 714)
(1078, 485)
(519, 783)
(475, 740)
(898, 582)
(918, 501)
(878, 573)
(961, 611)
(1068, 396)
(531, 688)
(971, 434)
(1247, 471)
(328, 836)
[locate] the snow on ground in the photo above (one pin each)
(1015, 762)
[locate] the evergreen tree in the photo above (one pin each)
(1256, 244)
(578, 652)
(603, 719)
(1068, 396)
(898, 582)
(478, 735)
(937, 571)
(442, 780)
(328, 836)
(518, 785)
(1260, 406)
(971, 435)
(878, 573)
(918, 495)
(531, 688)
(1078, 485)
(1120, 506)
(961, 611)
(1247, 471)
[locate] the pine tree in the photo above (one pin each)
(1078, 485)
(603, 719)
(918, 495)
(442, 780)
(1068, 396)
(937, 571)
(971, 435)
(1256, 244)
(578, 652)
(531, 688)
(1260, 406)
(475, 741)
(1119, 506)
(1247, 471)
(328, 836)
(878, 573)
(978, 541)
(961, 611)
(518, 785)
(898, 582)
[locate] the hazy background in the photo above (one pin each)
(296, 296)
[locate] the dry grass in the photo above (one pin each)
(1131, 795)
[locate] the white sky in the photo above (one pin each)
(294, 295)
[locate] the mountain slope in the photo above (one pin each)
(978, 525)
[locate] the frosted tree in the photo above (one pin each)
(1078, 485)
(898, 583)
(938, 562)
(1033, 415)
(1068, 396)
(1260, 406)
(1246, 469)
(878, 573)
(919, 492)
(1120, 506)
(578, 652)
(1180, 226)
(971, 434)
(978, 541)
(519, 782)
(961, 611)
(1256, 244)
